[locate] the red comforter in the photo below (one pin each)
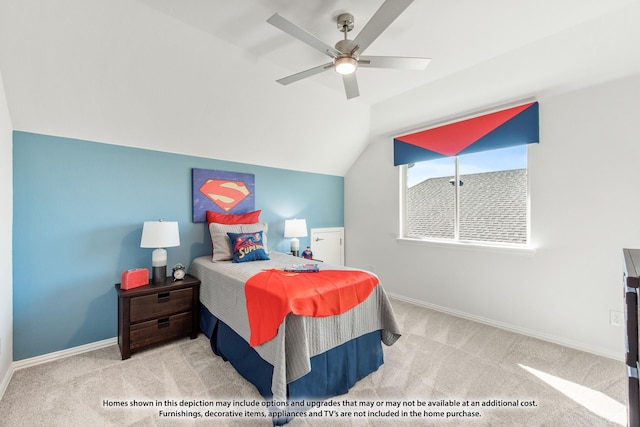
(272, 294)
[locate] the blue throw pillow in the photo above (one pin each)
(247, 247)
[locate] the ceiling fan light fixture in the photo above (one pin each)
(345, 65)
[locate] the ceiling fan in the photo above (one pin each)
(347, 54)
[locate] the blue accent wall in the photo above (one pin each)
(78, 213)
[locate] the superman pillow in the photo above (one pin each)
(222, 248)
(247, 246)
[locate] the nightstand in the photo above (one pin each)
(157, 313)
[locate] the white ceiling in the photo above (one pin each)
(198, 76)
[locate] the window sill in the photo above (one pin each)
(476, 246)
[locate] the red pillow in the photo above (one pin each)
(229, 219)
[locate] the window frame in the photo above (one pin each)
(524, 248)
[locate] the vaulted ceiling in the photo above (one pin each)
(198, 77)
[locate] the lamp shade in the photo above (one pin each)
(295, 228)
(160, 234)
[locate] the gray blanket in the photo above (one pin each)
(299, 337)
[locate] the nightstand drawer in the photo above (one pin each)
(160, 304)
(158, 330)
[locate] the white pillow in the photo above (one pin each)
(222, 244)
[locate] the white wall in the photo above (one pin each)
(6, 215)
(584, 179)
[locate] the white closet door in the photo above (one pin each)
(327, 244)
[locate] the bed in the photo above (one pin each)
(311, 358)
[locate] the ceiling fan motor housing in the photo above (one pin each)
(343, 45)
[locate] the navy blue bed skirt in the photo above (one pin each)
(332, 373)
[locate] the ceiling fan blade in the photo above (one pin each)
(304, 74)
(383, 17)
(398, 62)
(302, 35)
(351, 85)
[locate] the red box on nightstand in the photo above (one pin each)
(134, 278)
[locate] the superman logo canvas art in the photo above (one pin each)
(221, 191)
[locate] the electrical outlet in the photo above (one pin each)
(616, 317)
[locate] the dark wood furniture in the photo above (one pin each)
(157, 313)
(631, 284)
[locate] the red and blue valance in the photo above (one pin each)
(505, 128)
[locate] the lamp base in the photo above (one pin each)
(295, 246)
(159, 274)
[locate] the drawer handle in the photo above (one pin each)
(163, 323)
(164, 297)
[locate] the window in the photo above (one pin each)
(466, 180)
(479, 197)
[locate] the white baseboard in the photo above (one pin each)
(56, 355)
(33, 361)
(5, 381)
(512, 328)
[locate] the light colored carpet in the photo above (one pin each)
(439, 358)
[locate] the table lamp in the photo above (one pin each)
(295, 228)
(159, 235)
